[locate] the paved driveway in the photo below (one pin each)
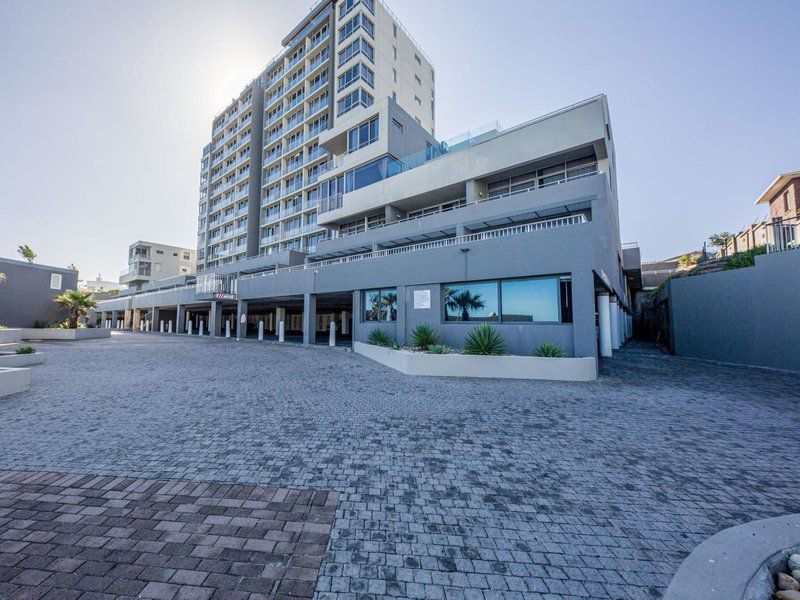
(447, 488)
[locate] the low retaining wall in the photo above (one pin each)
(13, 381)
(14, 361)
(736, 563)
(495, 367)
(10, 336)
(86, 333)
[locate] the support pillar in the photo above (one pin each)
(309, 319)
(345, 323)
(241, 319)
(114, 319)
(180, 319)
(400, 334)
(169, 326)
(155, 317)
(261, 331)
(614, 313)
(137, 318)
(332, 334)
(280, 315)
(103, 323)
(215, 319)
(604, 323)
(201, 327)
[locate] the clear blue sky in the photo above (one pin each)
(105, 105)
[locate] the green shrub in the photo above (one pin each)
(26, 350)
(3, 327)
(549, 350)
(378, 337)
(66, 325)
(439, 349)
(42, 325)
(424, 336)
(742, 260)
(484, 340)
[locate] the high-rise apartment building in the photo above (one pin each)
(260, 175)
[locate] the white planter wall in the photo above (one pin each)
(13, 381)
(65, 334)
(10, 336)
(463, 365)
(14, 361)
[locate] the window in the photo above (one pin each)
(347, 5)
(363, 135)
(417, 79)
(357, 22)
(380, 305)
(352, 100)
(417, 100)
(55, 281)
(394, 75)
(186, 256)
(394, 52)
(353, 74)
(359, 46)
(418, 59)
(529, 300)
(394, 29)
(161, 252)
(371, 172)
(397, 126)
(786, 201)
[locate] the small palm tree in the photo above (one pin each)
(72, 267)
(3, 277)
(77, 302)
(25, 252)
(464, 301)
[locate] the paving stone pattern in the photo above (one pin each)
(79, 536)
(449, 489)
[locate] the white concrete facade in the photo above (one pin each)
(148, 261)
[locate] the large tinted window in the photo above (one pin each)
(531, 300)
(471, 302)
(380, 305)
(371, 172)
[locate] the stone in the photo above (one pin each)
(794, 562)
(787, 582)
(796, 574)
(787, 595)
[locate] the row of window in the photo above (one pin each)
(347, 5)
(354, 73)
(354, 25)
(363, 135)
(355, 98)
(528, 300)
(359, 46)
(367, 174)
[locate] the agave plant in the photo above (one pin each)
(77, 302)
(423, 336)
(439, 349)
(484, 340)
(25, 350)
(378, 337)
(549, 350)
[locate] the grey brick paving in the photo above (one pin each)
(452, 489)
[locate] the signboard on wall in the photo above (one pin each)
(422, 299)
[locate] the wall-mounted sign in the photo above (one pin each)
(422, 299)
(55, 281)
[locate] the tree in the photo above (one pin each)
(463, 301)
(77, 302)
(687, 260)
(3, 277)
(72, 267)
(25, 252)
(720, 240)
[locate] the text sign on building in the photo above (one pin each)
(422, 299)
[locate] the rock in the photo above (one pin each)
(788, 583)
(787, 595)
(794, 562)
(796, 574)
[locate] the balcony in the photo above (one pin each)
(274, 175)
(330, 203)
(295, 142)
(318, 152)
(294, 185)
(320, 60)
(242, 210)
(320, 39)
(295, 101)
(271, 218)
(240, 230)
(270, 239)
(292, 209)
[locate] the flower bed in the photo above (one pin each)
(10, 336)
(83, 333)
(464, 365)
(17, 360)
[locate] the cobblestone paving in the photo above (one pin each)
(457, 489)
(83, 536)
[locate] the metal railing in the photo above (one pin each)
(436, 244)
(783, 234)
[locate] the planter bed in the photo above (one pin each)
(10, 336)
(85, 333)
(463, 365)
(13, 360)
(13, 381)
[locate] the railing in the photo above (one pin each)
(295, 101)
(315, 154)
(272, 218)
(330, 203)
(292, 210)
(443, 243)
(783, 234)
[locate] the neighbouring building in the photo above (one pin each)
(98, 285)
(27, 291)
(148, 262)
(368, 221)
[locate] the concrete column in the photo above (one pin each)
(161, 326)
(103, 319)
(476, 191)
(281, 331)
(200, 327)
(280, 315)
(614, 313)
(180, 319)
(462, 231)
(260, 330)
(156, 317)
(169, 326)
(227, 328)
(401, 313)
(241, 319)
(189, 330)
(309, 319)
(215, 319)
(137, 318)
(332, 334)
(604, 322)
(345, 323)
(114, 319)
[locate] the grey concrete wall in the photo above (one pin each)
(26, 295)
(745, 316)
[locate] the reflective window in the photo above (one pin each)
(530, 300)
(372, 172)
(380, 305)
(471, 302)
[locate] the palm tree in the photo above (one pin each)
(25, 252)
(464, 301)
(3, 277)
(77, 302)
(72, 267)
(389, 301)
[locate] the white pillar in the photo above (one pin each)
(332, 334)
(200, 327)
(227, 329)
(604, 322)
(614, 310)
(161, 326)
(141, 324)
(169, 326)
(345, 324)
(189, 331)
(280, 332)
(261, 330)
(280, 315)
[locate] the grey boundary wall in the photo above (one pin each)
(26, 295)
(745, 316)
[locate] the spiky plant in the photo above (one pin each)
(549, 350)
(378, 337)
(25, 350)
(484, 340)
(423, 336)
(77, 302)
(439, 349)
